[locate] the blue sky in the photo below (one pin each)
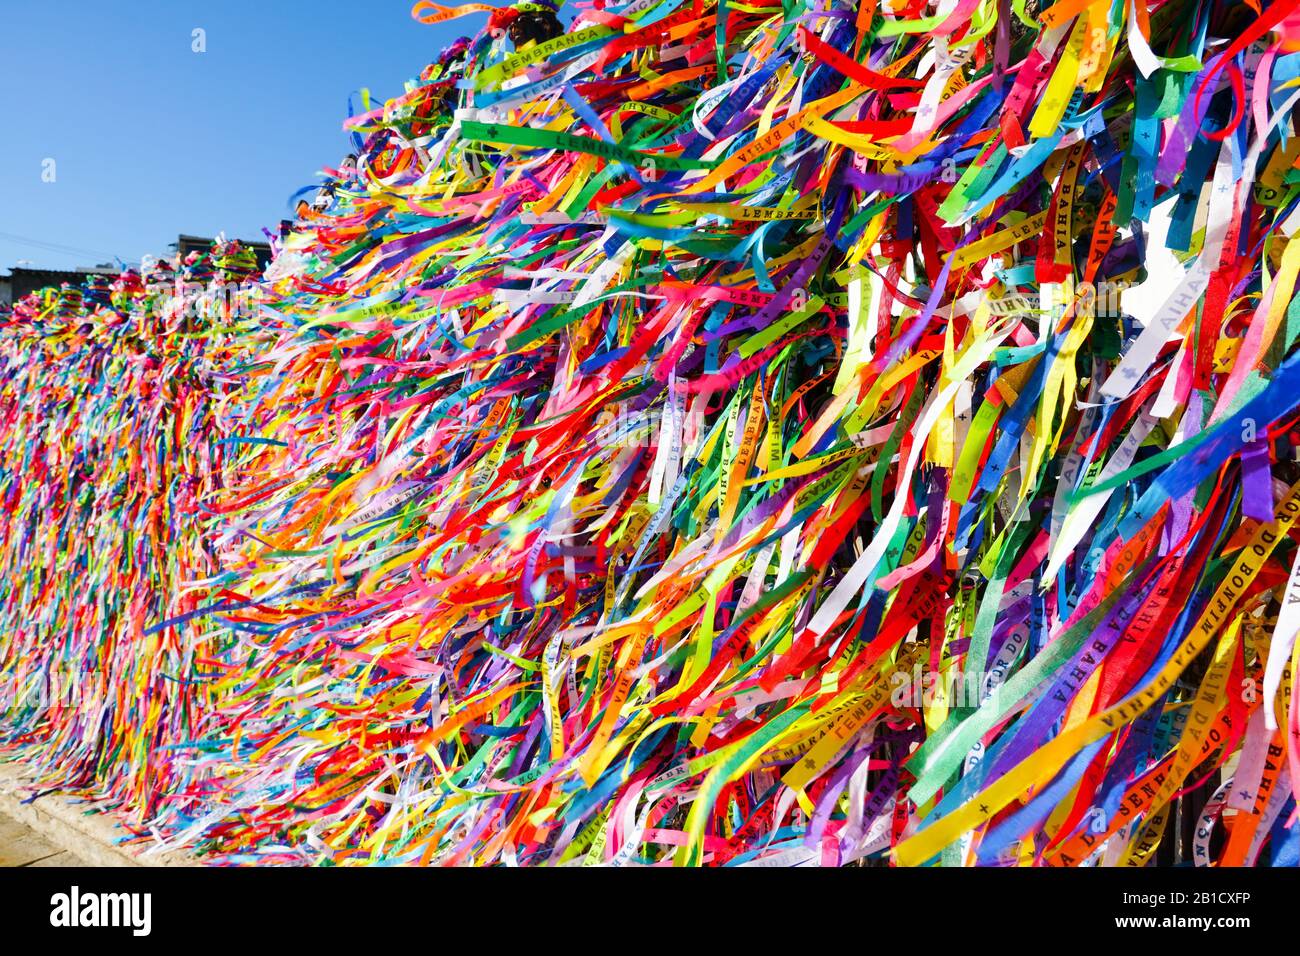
(151, 139)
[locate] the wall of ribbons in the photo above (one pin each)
(701, 433)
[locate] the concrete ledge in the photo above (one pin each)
(70, 824)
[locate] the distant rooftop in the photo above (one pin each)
(26, 279)
(22, 280)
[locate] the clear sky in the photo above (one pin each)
(150, 139)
